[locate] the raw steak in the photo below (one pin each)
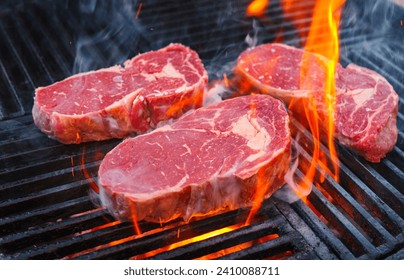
(118, 101)
(366, 104)
(214, 159)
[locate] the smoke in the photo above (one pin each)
(88, 6)
(288, 192)
(371, 17)
(215, 93)
(254, 37)
(107, 33)
(373, 23)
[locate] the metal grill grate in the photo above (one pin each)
(46, 208)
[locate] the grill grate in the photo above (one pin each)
(47, 210)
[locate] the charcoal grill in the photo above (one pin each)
(47, 210)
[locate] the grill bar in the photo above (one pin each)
(323, 232)
(374, 181)
(352, 236)
(224, 241)
(54, 50)
(344, 213)
(17, 57)
(33, 60)
(313, 239)
(168, 236)
(273, 247)
(365, 221)
(19, 241)
(51, 213)
(69, 246)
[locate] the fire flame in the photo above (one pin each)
(237, 247)
(186, 242)
(322, 39)
(86, 174)
(292, 11)
(94, 186)
(188, 102)
(72, 162)
(205, 236)
(134, 218)
(257, 8)
(138, 10)
(262, 185)
(320, 36)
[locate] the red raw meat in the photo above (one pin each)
(118, 101)
(210, 160)
(366, 104)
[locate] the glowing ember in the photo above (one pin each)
(257, 7)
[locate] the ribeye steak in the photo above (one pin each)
(118, 101)
(366, 104)
(213, 159)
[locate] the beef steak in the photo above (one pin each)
(366, 104)
(118, 101)
(213, 159)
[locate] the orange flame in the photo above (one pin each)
(72, 162)
(96, 189)
(322, 39)
(226, 80)
(185, 103)
(262, 185)
(257, 8)
(205, 236)
(78, 138)
(186, 242)
(138, 10)
(134, 218)
(297, 14)
(86, 174)
(237, 247)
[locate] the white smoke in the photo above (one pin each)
(107, 33)
(288, 192)
(252, 39)
(215, 94)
